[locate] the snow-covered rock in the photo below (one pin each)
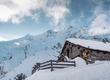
(80, 62)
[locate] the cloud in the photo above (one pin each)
(16, 10)
(102, 6)
(100, 24)
(57, 10)
(3, 38)
(57, 13)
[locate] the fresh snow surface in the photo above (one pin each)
(97, 71)
(80, 62)
(90, 44)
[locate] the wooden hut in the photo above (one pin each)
(87, 49)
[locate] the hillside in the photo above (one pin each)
(15, 51)
(15, 54)
(42, 47)
(97, 71)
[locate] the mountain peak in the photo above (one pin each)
(29, 37)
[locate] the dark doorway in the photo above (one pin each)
(68, 52)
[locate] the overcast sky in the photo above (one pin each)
(21, 17)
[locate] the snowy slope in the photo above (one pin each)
(97, 71)
(26, 66)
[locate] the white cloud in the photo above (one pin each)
(100, 25)
(5, 37)
(57, 10)
(2, 39)
(16, 10)
(57, 13)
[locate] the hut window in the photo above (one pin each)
(104, 53)
(67, 43)
(83, 49)
(78, 47)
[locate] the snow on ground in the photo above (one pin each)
(91, 44)
(26, 66)
(87, 72)
(80, 62)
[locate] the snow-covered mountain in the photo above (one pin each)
(43, 46)
(17, 54)
(13, 52)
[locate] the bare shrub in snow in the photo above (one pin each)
(36, 67)
(20, 77)
(2, 71)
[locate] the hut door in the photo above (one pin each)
(85, 54)
(68, 52)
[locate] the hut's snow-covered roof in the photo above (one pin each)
(90, 44)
